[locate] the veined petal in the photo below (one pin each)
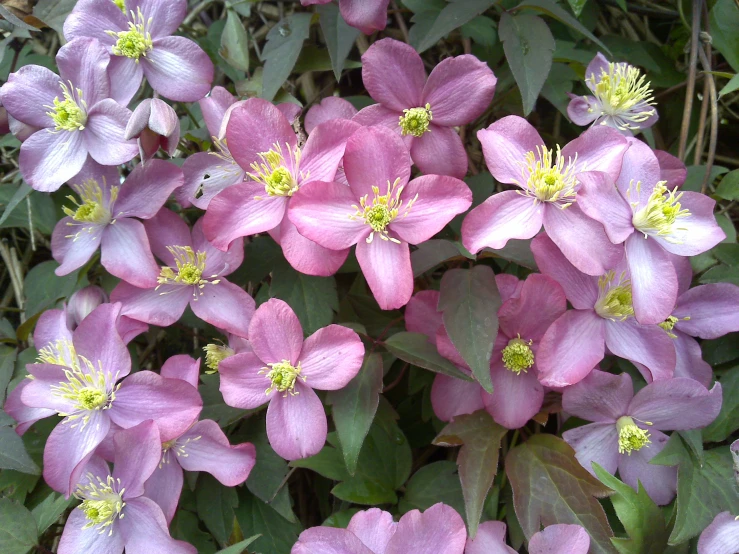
(307, 256)
(275, 333)
(226, 306)
(72, 245)
(600, 148)
(164, 19)
(595, 442)
(708, 311)
(331, 107)
(147, 188)
(365, 16)
(296, 424)
(205, 176)
(600, 397)
(560, 539)
(331, 357)
(393, 74)
(653, 279)
(438, 529)
(157, 307)
(242, 384)
(696, 233)
(660, 482)
(516, 398)
(97, 339)
(490, 539)
(421, 315)
(440, 152)
(583, 110)
(145, 530)
(137, 454)
(178, 69)
(387, 267)
(722, 535)
(103, 135)
(167, 228)
(214, 107)
(48, 159)
(676, 404)
(324, 150)
(28, 93)
(125, 253)
(125, 78)
(451, 397)
(689, 360)
(75, 539)
(83, 63)
(529, 315)
(374, 527)
(182, 367)
(599, 199)
(505, 144)
(165, 487)
(646, 344)
(329, 540)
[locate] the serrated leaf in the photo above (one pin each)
(552, 9)
(284, 42)
(550, 486)
(235, 42)
(727, 420)
(216, 504)
(435, 482)
(50, 510)
(354, 408)
(277, 535)
(479, 436)
(469, 302)
(455, 14)
(18, 532)
(239, 547)
(529, 47)
(641, 517)
(13, 453)
(339, 36)
(415, 349)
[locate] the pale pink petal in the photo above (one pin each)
(324, 149)
(438, 529)
(600, 397)
(125, 78)
(83, 63)
(653, 279)
(646, 344)
(165, 19)
(331, 357)
(138, 451)
(421, 315)
(217, 262)
(516, 398)
(366, 16)
(393, 74)
(440, 152)
(599, 199)
(205, 176)
(165, 486)
(689, 360)
(49, 158)
(103, 135)
(51, 327)
(671, 169)
(22, 414)
(296, 423)
(329, 540)
(331, 107)
(214, 108)
(129, 328)
(157, 307)
(451, 397)
(290, 111)
(722, 535)
(713, 311)
(540, 303)
(676, 404)
(505, 144)
(583, 110)
(684, 271)
(560, 539)
(374, 527)
(147, 188)
(377, 114)
(640, 165)
(242, 384)
(145, 530)
(178, 69)
(659, 481)
(226, 306)
(72, 245)
(595, 442)
(38, 388)
(167, 229)
(125, 253)
(75, 539)
(490, 539)
(387, 269)
(599, 148)
(275, 333)
(375, 157)
(28, 92)
(96, 338)
(509, 286)
(91, 18)
(307, 256)
(182, 367)
(696, 233)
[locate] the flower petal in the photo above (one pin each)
(167, 229)
(331, 357)
(451, 397)
(145, 530)
(92, 18)
(103, 135)
(660, 482)
(689, 360)
(275, 333)
(640, 165)
(97, 339)
(226, 306)
(138, 451)
(505, 144)
(583, 110)
(653, 279)
(296, 424)
(600, 148)
(600, 397)
(646, 344)
(676, 404)
(49, 158)
(178, 69)
(75, 539)
(83, 63)
(490, 539)
(164, 19)
(722, 535)
(387, 268)
(708, 311)
(22, 414)
(324, 149)
(28, 93)
(671, 169)
(393, 74)
(421, 315)
(374, 527)
(440, 152)
(217, 262)
(125, 253)
(330, 108)
(242, 384)
(157, 307)
(560, 539)
(696, 233)
(595, 442)
(214, 107)
(329, 540)
(307, 256)
(599, 199)
(125, 78)
(205, 176)
(365, 16)
(540, 303)
(72, 246)
(182, 367)
(515, 398)
(377, 114)
(147, 188)
(438, 529)
(165, 487)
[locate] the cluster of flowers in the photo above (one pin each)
(617, 234)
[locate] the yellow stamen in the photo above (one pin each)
(624, 94)
(614, 302)
(215, 354)
(415, 121)
(518, 356)
(631, 437)
(549, 178)
(660, 215)
(69, 114)
(283, 376)
(278, 179)
(102, 502)
(383, 210)
(136, 41)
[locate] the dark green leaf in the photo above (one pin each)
(724, 21)
(20, 195)
(216, 504)
(728, 188)
(731, 86)
(728, 418)
(277, 535)
(42, 287)
(235, 43)
(43, 213)
(455, 14)
(284, 42)
(54, 12)
(18, 532)
(7, 365)
(433, 252)
(50, 510)
(13, 453)
(239, 547)
(339, 36)
(469, 302)
(552, 9)
(436, 482)
(577, 6)
(185, 527)
(415, 349)
(481, 30)
(723, 349)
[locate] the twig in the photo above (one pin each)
(713, 137)
(196, 11)
(690, 91)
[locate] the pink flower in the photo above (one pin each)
(264, 144)
(560, 539)
(139, 39)
(549, 183)
(722, 535)
(622, 97)
(114, 513)
(81, 304)
(490, 539)
(107, 216)
(423, 111)
(283, 370)
(70, 115)
(381, 212)
(438, 529)
(627, 428)
(652, 221)
(155, 124)
(331, 107)
(194, 274)
(603, 316)
(366, 15)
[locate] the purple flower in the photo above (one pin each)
(380, 211)
(104, 216)
(193, 274)
(78, 377)
(423, 111)
(138, 39)
(652, 221)
(81, 304)
(622, 97)
(283, 369)
(264, 144)
(438, 529)
(114, 514)
(549, 184)
(331, 107)
(366, 15)
(560, 539)
(627, 429)
(490, 539)
(155, 124)
(216, 353)
(72, 115)
(722, 535)
(603, 316)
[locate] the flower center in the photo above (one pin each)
(662, 211)
(121, 5)
(669, 324)
(190, 266)
(135, 42)
(283, 376)
(69, 114)
(383, 210)
(630, 436)
(215, 354)
(273, 173)
(549, 178)
(92, 207)
(176, 446)
(415, 121)
(624, 92)
(518, 356)
(102, 502)
(614, 302)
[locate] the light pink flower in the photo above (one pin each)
(380, 211)
(560, 539)
(193, 274)
(490, 539)
(283, 369)
(331, 107)
(366, 15)
(425, 111)
(549, 183)
(155, 124)
(722, 535)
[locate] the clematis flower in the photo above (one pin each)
(283, 370)
(380, 211)
(266, 147)
(652, 221)
(331, 107)
(78, 376)
(193, 275)
(373, 531)
(425, 111)
(106, 215)
(81, 304)
(603, 316)
(203, 447)
(366, 15)
(560, 539)
(671, 169)
(626, 432)
(138, 37)
(622, 97)
(490, 539)
(72, 112)
(114, 513)
(722, 535)
(216, 353)
(549, 185)
(155, 124)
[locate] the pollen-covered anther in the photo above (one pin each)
(136, 41)
(518, 356)
(614, 300)
(70, 113)
(624, 94)
(660, 215)
(631, 437)
(102, 502)
(283, 376)
(190, 266)
(215, 354)
(415, 121)
(382, 210)
(549, 178)
(93, 207)
(272, 171)
(669, 324)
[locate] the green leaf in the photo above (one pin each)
(277, 535)
(339, 36)
(479, 436)
(7, 366)
(469, 303)
(724, 21)
(213, 405)
(185, 527)
(415, 349)
(729, 87)
(432, 483)
(19, 195)
(550, 486)
(54, 12)
(723, 349)
(455, 14)
(15, 213)
(703, 491)
(528, 45)
(728, 418)
(239, 547)
(235, 43)
(354, 408)
(728, 188)
(433, 252)
(18, 532)
(552, 9)
(42, 287)
(216, 504)
(314, 299)
(577, 6)
(284, 42)
(50, 510)
(13, 453)
(481, 30)
(642, 519)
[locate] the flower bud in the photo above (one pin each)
(82, 302)
(155, 124)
